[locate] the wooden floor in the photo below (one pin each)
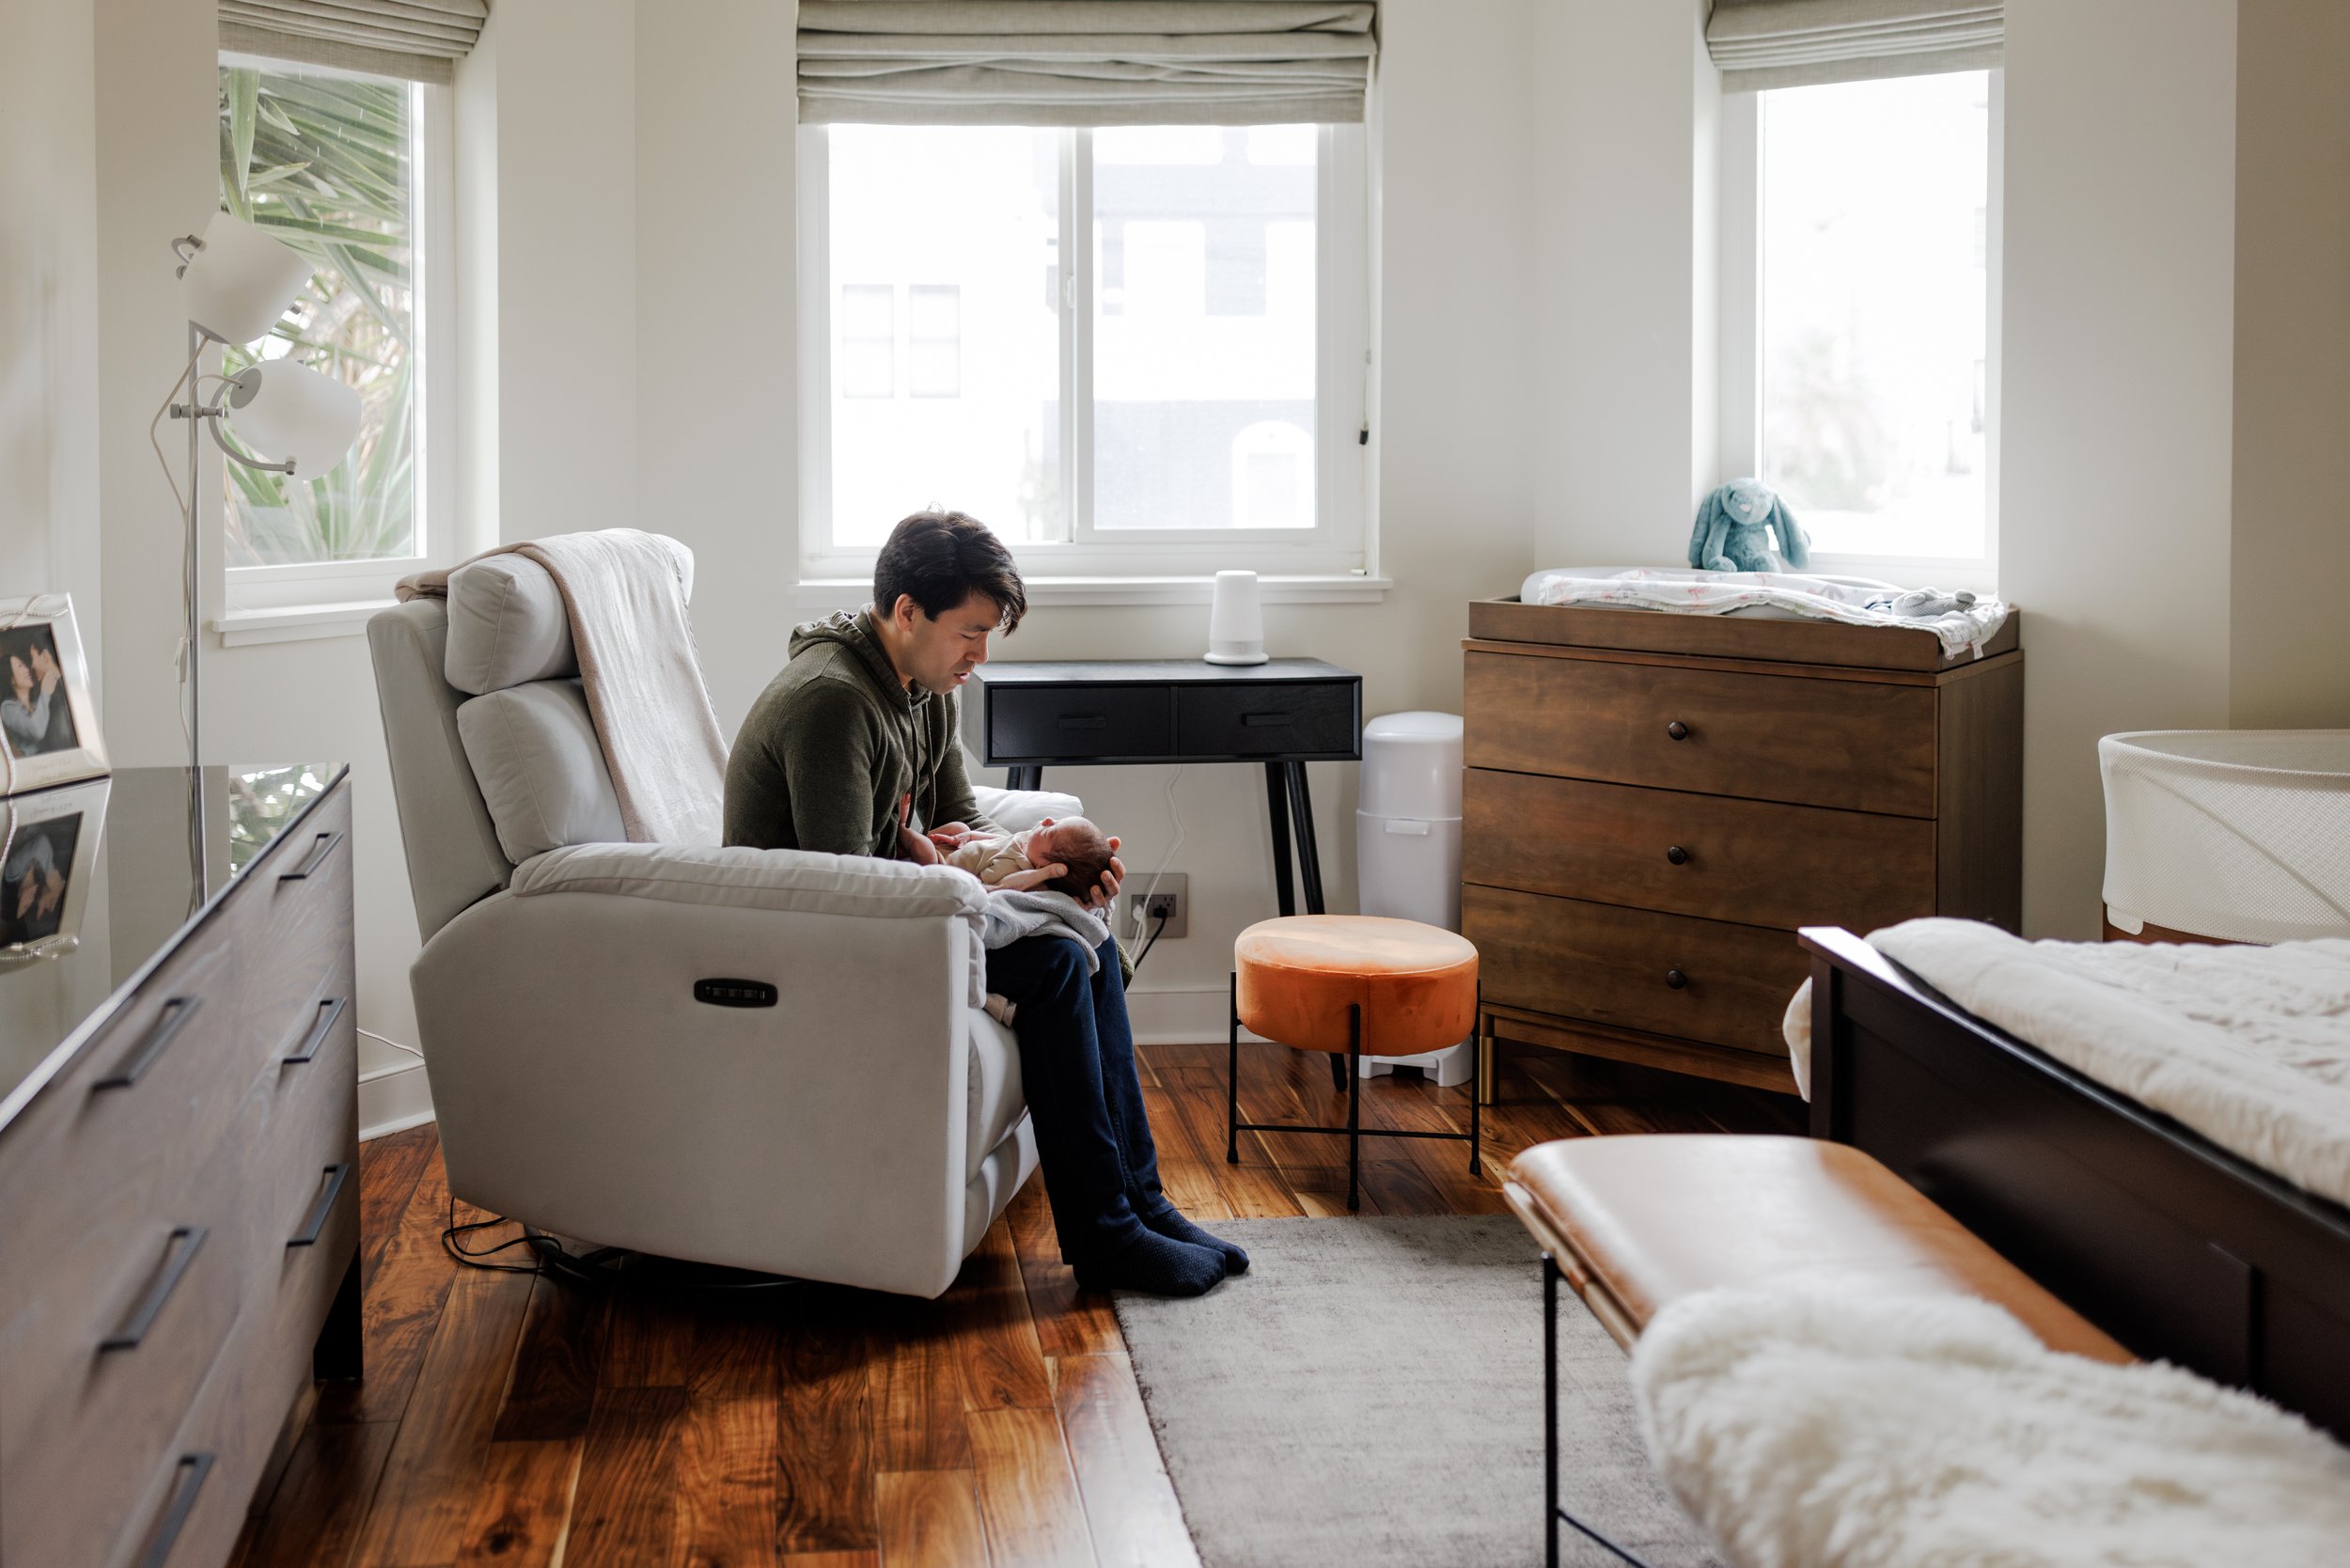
(512, 1419)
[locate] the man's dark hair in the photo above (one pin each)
(942, 558)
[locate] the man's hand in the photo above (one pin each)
(1100, 898)
(45, 669)
(1106, 894)
(916, 848)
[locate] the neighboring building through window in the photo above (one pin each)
(328, 162)
(1874, 307)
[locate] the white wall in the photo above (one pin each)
(2289, 637)
(2115, 417)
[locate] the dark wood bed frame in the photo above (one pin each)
(2181, 1250)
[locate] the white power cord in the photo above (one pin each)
(394, 1044)
(1142, 908)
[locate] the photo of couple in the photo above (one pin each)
(36, 714)
(34, 874)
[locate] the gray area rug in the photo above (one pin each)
(1370, 1393)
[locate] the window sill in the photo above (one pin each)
(850, 593)
(296, 622)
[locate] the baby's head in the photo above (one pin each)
(1074, 842)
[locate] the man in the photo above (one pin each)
(852, 750)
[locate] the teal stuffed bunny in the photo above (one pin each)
(1734, 529)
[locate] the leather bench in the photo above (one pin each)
(1637, 1222)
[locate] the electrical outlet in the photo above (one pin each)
(1169, 897)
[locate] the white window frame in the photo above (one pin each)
(267, 603)
(1343, 542)
(1741, 365)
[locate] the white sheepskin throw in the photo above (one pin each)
(1811, 1431)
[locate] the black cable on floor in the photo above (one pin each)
(605, 1265)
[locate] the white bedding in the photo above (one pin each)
(1834, 1430)
(2249, 1046)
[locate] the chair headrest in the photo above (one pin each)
(506, 626)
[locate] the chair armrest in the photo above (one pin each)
(802, 880)
(1017, 810)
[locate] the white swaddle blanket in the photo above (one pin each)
(1855, 601)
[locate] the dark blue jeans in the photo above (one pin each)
(1077, 1066)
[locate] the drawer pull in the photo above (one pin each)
(185, 1239)
(315, 1224)
(1678, 855)
(320, 849)
(1083, 721)
(321, 1026)
(1265, 721)
(1675, 978)
(185, 1485)
(1678, 730)
(167, 1024)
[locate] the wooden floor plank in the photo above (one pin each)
(427, 1496)
(916, 1350)
(728, 1461)
(1132, 1514)
(625, 1508)
(1183, 1172)
(314, 1516)
(399, 1308)
(824, 1425)
(1069, 1322)
(556, 1363)
(1002, 1362)
(931, 1519)
(522, 1512)
(389, 1169)
(1027, 1492)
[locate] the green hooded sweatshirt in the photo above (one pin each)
(836, 742)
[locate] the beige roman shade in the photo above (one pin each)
(1084, 62)
(1798, 43)
(418, 40)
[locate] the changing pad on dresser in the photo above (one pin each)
(1854, 601)
(2247, 1046)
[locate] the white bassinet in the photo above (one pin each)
(2242, 835)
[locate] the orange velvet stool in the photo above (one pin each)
(1356, 984)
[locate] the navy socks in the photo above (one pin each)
(1155, 1263)
(1170, 1222)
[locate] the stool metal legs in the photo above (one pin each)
(1352, 1069)
(1553, 1516)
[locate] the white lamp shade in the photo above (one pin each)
(1236, 622)
(281, 411)
(237, 287)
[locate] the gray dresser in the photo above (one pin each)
(178, 1148)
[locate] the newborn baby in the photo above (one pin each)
(1071, 843)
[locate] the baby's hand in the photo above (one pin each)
(953, 835)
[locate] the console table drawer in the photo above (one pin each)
(1069, 722)
(1705, 981)
(1266, 720)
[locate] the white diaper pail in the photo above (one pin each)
(1407, 846)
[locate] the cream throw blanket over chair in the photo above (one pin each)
(865, 1127)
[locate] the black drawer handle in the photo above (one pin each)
(320, 849)
(167, 1024)
(1261, 721)
(185, 1485)
(1678, 730)
(308, 1235)
(185, 1239)
(1083, 721)
(1675, 978)
(1678, 855)
(323, 1026)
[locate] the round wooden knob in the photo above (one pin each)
(1675, 978)
(1678, 855)
(1678, 730)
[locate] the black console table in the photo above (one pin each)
(1285, 713)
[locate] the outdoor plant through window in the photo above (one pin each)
(326, 162)
(1874, 305)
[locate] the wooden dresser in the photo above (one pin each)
(1654, 803)
(179, 1148)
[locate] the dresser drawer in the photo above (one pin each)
(1285, 718)
(1860, 745)
(312, 1125)
(293, 928)
(1063, 722)
(1755, 862)
(1619, 968)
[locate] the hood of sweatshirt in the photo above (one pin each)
(854, 633)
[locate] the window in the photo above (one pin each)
(340, 166)
(1863, 281)
(1137, 350)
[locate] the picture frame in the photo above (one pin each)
(48, 846)
(48, 723)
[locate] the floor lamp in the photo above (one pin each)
(237, 283)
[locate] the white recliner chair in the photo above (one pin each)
(769, 1059)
